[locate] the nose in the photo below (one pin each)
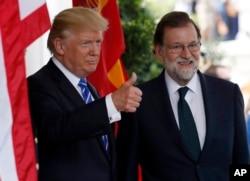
(186, 53)
(95, 47)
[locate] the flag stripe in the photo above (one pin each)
(113, 42)
(22, 136)
(114, 71)
(36, 24)
(17, 152)
(10, 34)
(7, 160)
(26, 8)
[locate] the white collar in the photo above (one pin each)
(173, 86)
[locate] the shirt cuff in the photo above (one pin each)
(113, 114)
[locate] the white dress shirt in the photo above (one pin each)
(195, 101)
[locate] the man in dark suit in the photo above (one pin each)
(154, 136)
(70, 129)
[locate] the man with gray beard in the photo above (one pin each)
(189, 126)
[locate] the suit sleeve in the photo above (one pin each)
(241, 152)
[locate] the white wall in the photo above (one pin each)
(37, 53)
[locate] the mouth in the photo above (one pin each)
(92, 61)
(186, 62)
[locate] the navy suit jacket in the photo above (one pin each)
(69, 131)
(151, 136)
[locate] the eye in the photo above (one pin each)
(86, 43)
(176, 47)
(98, 42)
(194, 45)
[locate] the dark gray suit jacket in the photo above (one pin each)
(151, 136)
(69, 131)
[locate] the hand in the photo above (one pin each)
(128, 97)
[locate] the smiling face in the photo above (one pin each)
(79, 52)
(180, 66)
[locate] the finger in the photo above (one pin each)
(138, 92)
(132, 79)
(131, 109)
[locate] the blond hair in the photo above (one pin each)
(74, 20)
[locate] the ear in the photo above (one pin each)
(59, 46)
(158, 52)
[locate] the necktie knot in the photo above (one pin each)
(82, 83)
(182, 92)
(85, 90)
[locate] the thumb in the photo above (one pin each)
(132, 79)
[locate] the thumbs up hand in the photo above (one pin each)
(132, 79)
(128, 97)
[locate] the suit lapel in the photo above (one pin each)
(64, 85)
(208, 100)
(165, 111)
(93, 91)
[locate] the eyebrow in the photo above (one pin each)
(177, 43)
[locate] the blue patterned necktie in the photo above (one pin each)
(85, 91)
(88, 99)
(187, 126)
